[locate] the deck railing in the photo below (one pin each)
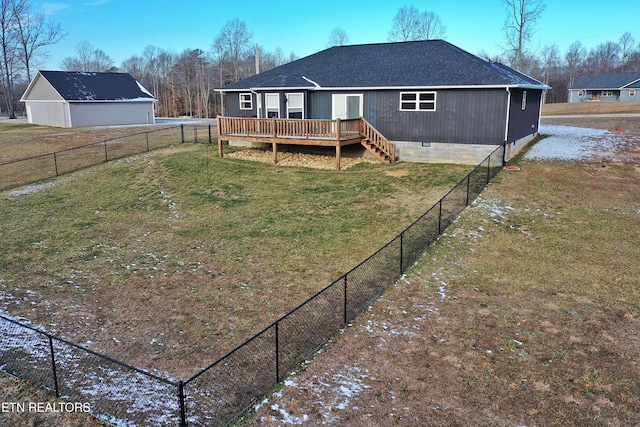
(369, 133)
(289, 128)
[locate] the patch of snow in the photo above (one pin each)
(572, 143)
(334, 392)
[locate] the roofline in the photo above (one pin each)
(598, 88)
(88, 101)
(530, 86)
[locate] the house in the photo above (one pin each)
(607, 87)
(430, 101)
(68, 98)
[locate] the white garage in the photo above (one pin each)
(70, 98)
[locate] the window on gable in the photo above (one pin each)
(417, 101)
(246, 101)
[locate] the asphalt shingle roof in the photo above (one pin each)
(431, 63)
(82, 86)
(607, 81)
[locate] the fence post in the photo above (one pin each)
(345, 300)
(183, 412)
(106, 158)
(55, 163)
(401, 253)
(488, 169)
(278, 351)
(147, 133)
(195, 133)
(182, 132)
(53, 365)
(468, 185)
(440, 217)
(210, 140)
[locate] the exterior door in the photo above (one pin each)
(346, 106)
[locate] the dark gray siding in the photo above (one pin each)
(319, 105)
(523, 122)
(461, 116)
(232, 105)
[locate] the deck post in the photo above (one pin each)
(339, 136)
(220, 132)
(275, 153)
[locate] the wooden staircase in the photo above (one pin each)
(376, 143)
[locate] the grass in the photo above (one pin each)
(590, 108)
(205, 251)
(524, 313)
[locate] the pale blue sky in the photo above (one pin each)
(122, 28)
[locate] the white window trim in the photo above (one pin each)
(266, 104)
(632, 92)
(417, 101)
(295, 93)
(524, 100)
(244, 101)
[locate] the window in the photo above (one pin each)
(632, 92)
(581, 93)
(607, 93)
(246, 101)
(417, 101)
(272, 101)
(295, 105)
(524, 100)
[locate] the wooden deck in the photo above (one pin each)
(328, 133)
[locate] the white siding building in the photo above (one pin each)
(67, 99)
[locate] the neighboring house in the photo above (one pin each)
(69, 98)
(432, 100)
(607, 87)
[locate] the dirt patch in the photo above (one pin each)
(398, 173)
(300, 158)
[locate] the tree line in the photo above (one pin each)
(184, 82)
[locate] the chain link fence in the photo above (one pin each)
(219, 393)
(47, 166)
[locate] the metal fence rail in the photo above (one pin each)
(219, 393)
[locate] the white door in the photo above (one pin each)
(346, 106)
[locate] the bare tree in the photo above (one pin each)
(34, 32)
(9, 11)
(626, 49)
(338, 37)
(233, 44)
(405, 24)
(574, 59)
(518, 27)
(411, 24)
(430, 27)
(88, 59)
(603, 58)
